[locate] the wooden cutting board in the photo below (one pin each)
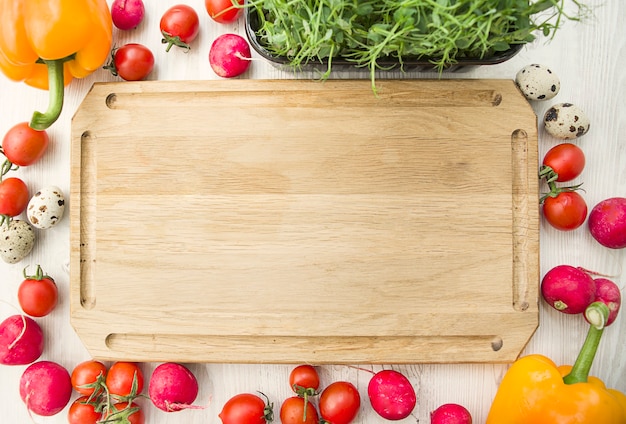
(304, 221)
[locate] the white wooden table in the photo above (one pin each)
(590, 59)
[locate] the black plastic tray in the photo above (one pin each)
(339, 63)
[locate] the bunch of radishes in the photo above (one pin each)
(229, 55)
(571, 290)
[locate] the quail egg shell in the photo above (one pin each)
(566, 121)
(17, 239)
(538, 82)
(46, 207)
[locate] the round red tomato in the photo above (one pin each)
(132, 62)
(179, 25)
(292, 412)
(304, 377)
(223, 11)
(246, 408)
(123, 412)
(339, 403)
(82, 412)
(37, 294)
(88, 376)
(566, 211)
(13, 196)
(23, 145)
(124, 379)
(563, 162)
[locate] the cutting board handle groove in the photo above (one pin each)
(524, 258)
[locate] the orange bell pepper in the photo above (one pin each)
(534, 390)
(46, 43)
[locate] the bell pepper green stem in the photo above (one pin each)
(597, 313)
(40, 121)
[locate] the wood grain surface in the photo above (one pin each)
(318, 200)
(589, 57)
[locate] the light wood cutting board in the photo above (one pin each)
(303, 221)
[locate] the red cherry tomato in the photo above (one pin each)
(179, 25)
(87, 377)
(82, 412)
(223, 11)
(23, 145)
(292, 412)
(339, 403)
(37, 294)
(246, 408)
(566, 211)
(132, 62)
(304, 377)
(564, 162)
(13, 196)
(124, 379)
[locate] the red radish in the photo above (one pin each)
(21, 340)
(229, 55)
(568, 289)
(127, 14)
(45, 388)
(450, 413)
(607, 222)
(173, 387)
(608, 293)
(391, 394)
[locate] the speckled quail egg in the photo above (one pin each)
(538, 82)
(46, 207)
(17, 239)
(566, 121)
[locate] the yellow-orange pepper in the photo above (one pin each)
(46, 43)
(536, 391)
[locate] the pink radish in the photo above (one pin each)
(127, 14)
(608, 293)
(45, 388)
(173, 387)
(229, 55)
(391, 394)
(607, 222)
(21, 340)
(568, 289)
(451, 413)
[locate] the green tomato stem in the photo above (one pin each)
(39, 274)
(174, 40)
(7, 166)
(40, 121)
(598, 314)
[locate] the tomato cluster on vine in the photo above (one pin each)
(338, 403)
(106, 395)
(563, 207)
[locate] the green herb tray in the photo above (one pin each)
(386, 64)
